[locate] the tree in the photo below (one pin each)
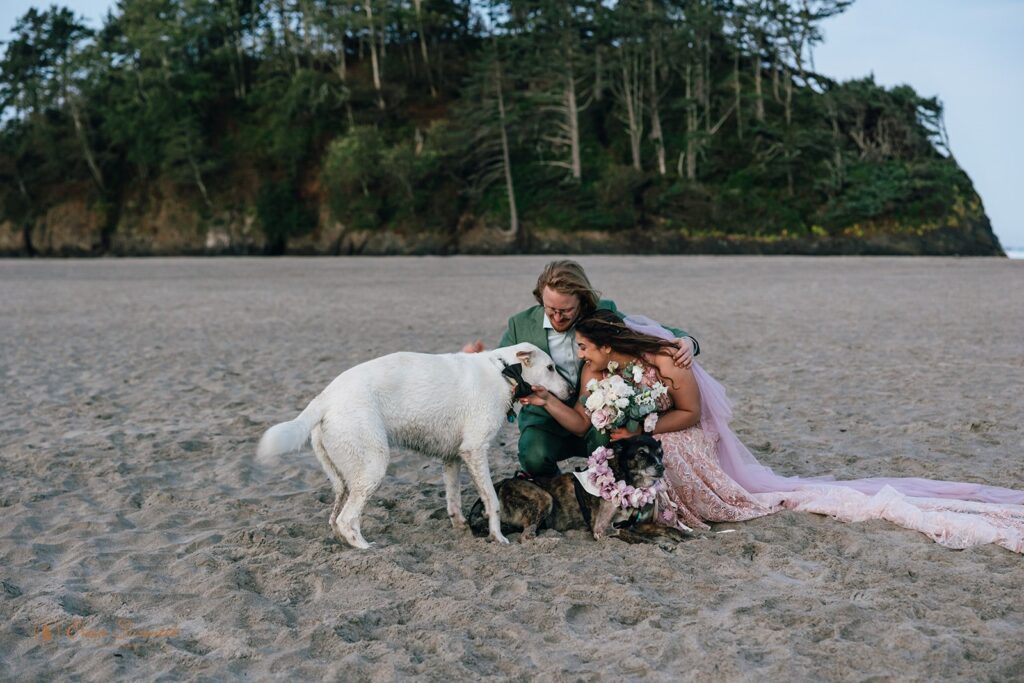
(550, 43)
(489, 118)
(629, 69)
(428, 114)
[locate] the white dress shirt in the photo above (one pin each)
(562, 346)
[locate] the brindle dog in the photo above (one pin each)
(561, 503)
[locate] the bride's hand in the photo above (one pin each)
(539, 397)
(621, 433)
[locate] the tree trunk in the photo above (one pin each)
(838, 172)
(375, 62)
(736, 87)
(775, 80)
(566, 136)
(691, 126)
(341, 68)
(706, 83)
(633, 99)
(573, 122)
(698, 83)
(71, 101)
(789, 96)
(656, 135)
(198, 177)
(506, 157)
(758, 92)
(423, 46)
(97, 176)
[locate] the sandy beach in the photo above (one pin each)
(139, 539)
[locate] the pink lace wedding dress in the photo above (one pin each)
(714, 478)
(698, 489)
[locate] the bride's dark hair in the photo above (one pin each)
(606, 328)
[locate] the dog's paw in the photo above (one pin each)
(499, 538)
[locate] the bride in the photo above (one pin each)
(712, 477)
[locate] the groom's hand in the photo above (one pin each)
(683, 357)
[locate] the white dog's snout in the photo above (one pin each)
(562, 389)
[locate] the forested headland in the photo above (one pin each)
(456, 126)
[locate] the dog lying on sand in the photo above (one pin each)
(561, 503)
(449, 406)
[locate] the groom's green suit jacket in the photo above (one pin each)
(528, 326)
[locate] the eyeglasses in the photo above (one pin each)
(561, 312)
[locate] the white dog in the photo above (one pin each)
(449, 406)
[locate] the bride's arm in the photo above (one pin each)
(574, 419)
(682, 388)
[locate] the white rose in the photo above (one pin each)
(620, 387)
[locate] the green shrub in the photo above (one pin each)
(911, 191)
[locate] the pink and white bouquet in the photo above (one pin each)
(600, 480)
(624, 400)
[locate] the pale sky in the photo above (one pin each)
(967, 52)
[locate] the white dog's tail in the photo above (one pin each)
(289, 436)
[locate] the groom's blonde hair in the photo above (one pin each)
(567, 277)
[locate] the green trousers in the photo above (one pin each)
(541, 450)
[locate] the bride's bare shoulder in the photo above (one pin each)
(586, 375)
(658, 360)
(666, 366)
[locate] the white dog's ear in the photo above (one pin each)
(525, 357)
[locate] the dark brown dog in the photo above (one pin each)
(562, 504)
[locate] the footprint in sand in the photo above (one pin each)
(510, 589)
(583, 618)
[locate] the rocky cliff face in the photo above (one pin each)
(166, 225)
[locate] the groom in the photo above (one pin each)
(564, 295)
